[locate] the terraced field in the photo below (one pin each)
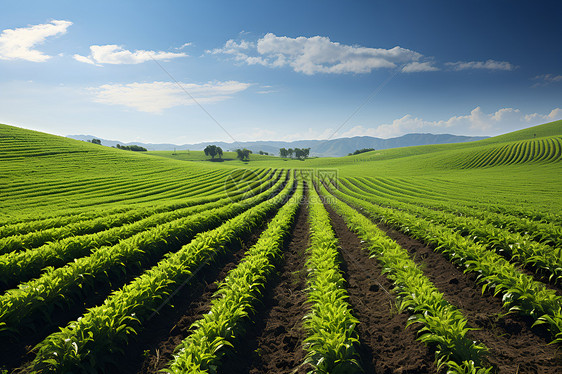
(422, 260)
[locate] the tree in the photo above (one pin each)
(306, 152)
(290, 152)
(210, 150)
(283, 152)
(362, 150)
(219, 152)
(95, 141)
(133, 147)
(298, 153)
(243, 154)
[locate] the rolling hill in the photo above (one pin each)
(321, 148)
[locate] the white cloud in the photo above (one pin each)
(156, 96)
(84, 59)
(183, 46)
(488, 65)
(476, 123)
(546, 79)
(318, 54)
(114, 54)
(554, 115)
(415, 67)
(18, 43)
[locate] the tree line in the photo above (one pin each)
(135, 148)
(299, 153)
(213, 150)
(362, 150)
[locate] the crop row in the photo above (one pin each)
(37, 238)
(546, 233)
(520, 292)
(534, 150)
(235, 300)
(445, 192)
(520, 248)
(85, 343)
(118, 260)
(332, 341)
(443, 326)
(20, 266)
(449, 193)
(104, 187)
(29, 224)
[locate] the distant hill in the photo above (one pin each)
(323, 148)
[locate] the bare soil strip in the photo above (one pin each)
(387, 346)
(514, 346)
(154, 346)
(273, 344)
(17, 351)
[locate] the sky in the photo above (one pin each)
(196, 71)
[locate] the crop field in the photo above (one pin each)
(430, 259)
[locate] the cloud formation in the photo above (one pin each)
(477, 122)
(114, 54)
(546, 79)
(486, 65)
(18, 44)
(416, 67)
(156, 96)
(318, 54)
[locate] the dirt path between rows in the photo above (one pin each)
(386, 345)
(154, 346)
(514, 346)
(273, 344)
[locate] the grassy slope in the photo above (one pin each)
(29, 158)
(228, 158)
(42, 174)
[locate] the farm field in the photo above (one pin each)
(430, 259)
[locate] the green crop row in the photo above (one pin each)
(444, 327)
(447, 193)
(86, 344)
(520, 248)
(546, 233)
(37, 238)
(235, 300)
(20, 266)
(80, 275)
(30, 224)
(520, 292)
(332, 341)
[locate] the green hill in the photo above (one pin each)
(45, 174)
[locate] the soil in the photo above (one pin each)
(514, 346)
(273, 344)
(154, 346)
(387, 346)
(17, 351)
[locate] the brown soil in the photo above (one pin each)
(17, 351)
(386, 345)
(154, 346)
(514, 347)
(274, 343)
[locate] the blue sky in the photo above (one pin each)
(286, 70)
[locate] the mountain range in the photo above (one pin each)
(322, 148)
